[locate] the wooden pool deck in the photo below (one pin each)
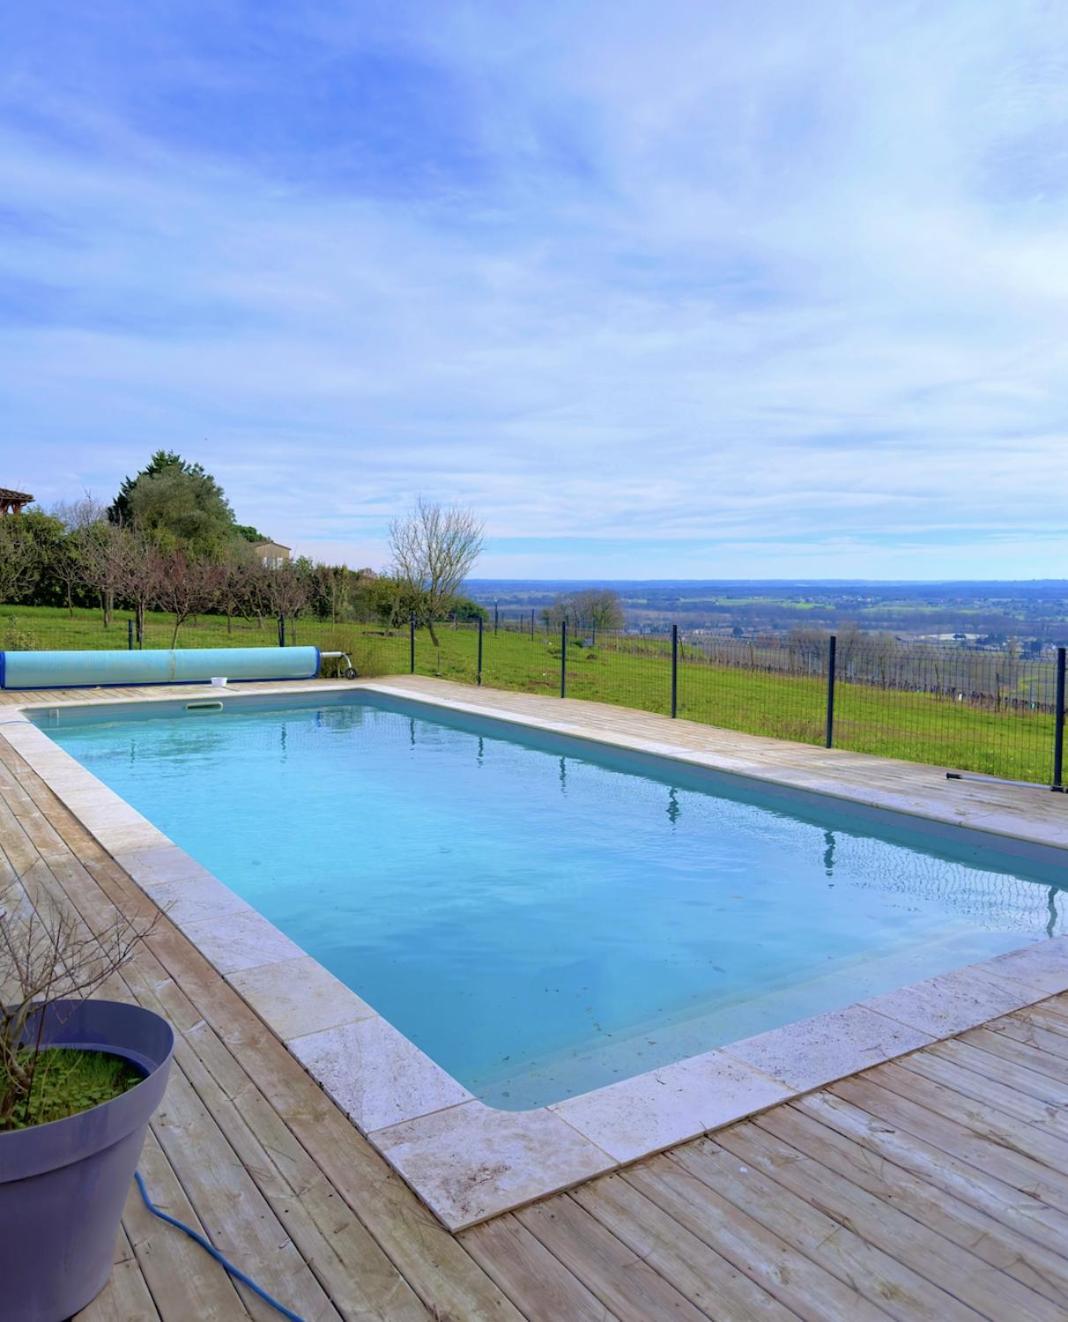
(932, 1187)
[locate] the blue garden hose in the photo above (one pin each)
(235, 1272)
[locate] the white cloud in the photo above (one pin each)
(715, 275)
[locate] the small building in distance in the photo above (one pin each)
(11, 502)
(273, 554)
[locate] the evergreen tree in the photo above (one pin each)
(119, 510)
(177, 505)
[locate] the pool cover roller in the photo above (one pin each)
(73, 670)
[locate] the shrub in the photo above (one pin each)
(16, 639)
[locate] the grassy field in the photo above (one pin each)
(631, 672)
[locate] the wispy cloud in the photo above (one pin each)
(671, 291)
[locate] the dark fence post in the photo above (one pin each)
(563, 659)
(531, 626)
(496, 616)
(478, 679)
(674, 670)
(832, 654)
(281, 630)
(1058, 724)
(411, 644)
(130, 635)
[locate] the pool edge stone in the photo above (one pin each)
(810, 1053)
(298, 997)
(952, 1003)
(472, 1162)
(648, 1113)
(377, 1076)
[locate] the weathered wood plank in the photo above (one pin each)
(1054, 1046)
(964, 1279)
(182, 1278)
(796, 1281)
(809, 1225)
(530, 1275)
(964, 1185)
(1008, 1164)
(1027, 1081)
(1051, 1015)
(627, 1285)
(1018, 1051)
(238, 1218)
(703, 1275)
(356, 1274)
(126, 1297)
(969, 1228)
(982, 1117)
(993, 1094)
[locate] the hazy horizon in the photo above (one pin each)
(777, 582)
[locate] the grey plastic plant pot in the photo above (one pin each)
(63, 1185)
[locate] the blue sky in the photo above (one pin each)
(674, 290)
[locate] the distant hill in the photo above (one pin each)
(1035, 609)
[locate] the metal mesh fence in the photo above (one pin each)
(518, 657)
(767, 686)
(988, 711)
(627, 669)
(449, 651)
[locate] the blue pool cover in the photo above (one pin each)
(67, 670)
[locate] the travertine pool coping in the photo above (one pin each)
(469, 1161)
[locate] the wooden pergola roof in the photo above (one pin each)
(13, 501)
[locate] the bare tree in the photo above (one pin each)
(185, 587)
(240, 591)
(19, 559)
(600, 608)
(590, 608)
(805, 649)
(67, 564)
(106, 551)
(285, 589)
(79, 515)
(141, 578)
(434, 548)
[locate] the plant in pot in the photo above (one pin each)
(79, 1080)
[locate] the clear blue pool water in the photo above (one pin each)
(542, 917)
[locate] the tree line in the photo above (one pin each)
(170, 542)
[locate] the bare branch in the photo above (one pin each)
(434, 548)
(47, 953)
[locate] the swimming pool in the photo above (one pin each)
(542, 915)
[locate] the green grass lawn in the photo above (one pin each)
(633, 672)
